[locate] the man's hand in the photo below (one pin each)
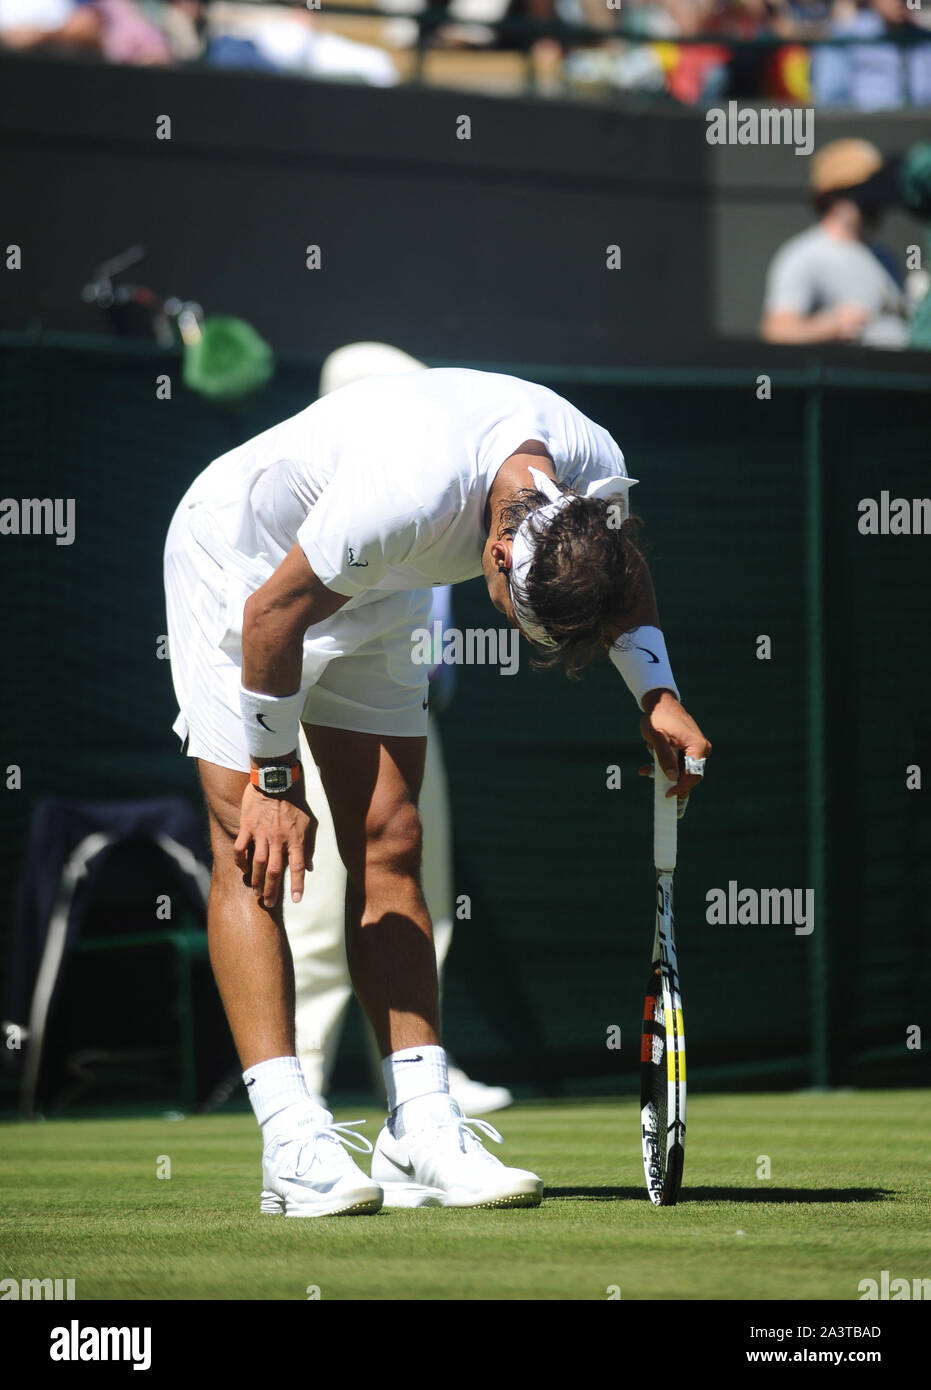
(274, 831)
(671, 732)
(848, 322)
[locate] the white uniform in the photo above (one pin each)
(383, 484)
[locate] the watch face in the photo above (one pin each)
(276, 779)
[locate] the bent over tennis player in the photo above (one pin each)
(297, 568)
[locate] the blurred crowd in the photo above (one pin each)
(868, 73)
(273, 38)
(870, 76)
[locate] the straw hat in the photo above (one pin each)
(844, 164)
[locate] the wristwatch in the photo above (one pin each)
(275, 780)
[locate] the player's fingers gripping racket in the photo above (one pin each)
(662, 1050)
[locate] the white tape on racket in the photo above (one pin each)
(665, 817)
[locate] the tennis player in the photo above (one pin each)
(297, 568)
(316, 926)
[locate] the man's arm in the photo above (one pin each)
(643, 613)
(666, 726)
(275, 619)
(841, 324)
(279, 830)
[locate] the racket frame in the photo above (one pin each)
(663, 1155)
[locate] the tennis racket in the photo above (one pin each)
(662, 1043)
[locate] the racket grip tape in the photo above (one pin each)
(665, 820)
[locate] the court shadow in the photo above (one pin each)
(799, 1196)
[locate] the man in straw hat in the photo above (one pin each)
(828, 284)
(297, 568)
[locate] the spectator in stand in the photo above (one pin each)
(287, 38)
(127, 36)
(52, 24)
(714, 71)
(874, 76)
(831, 283)
(114, 29)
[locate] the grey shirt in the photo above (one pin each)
(814, 271)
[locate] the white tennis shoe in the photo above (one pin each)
(446, 1165)
(308, 1172)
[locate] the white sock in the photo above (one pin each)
(418, 1091)
(279, 1095)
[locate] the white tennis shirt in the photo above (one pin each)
(383, 483)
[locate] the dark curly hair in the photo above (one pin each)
(587, 572)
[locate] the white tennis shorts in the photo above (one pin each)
(358, 671)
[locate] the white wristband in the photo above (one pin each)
(641, 658)
(270, 722)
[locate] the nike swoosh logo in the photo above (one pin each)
(410, 1059)
(321, 1187)
(652, 655)
(261, 719)
(251, 1083)
(407, 1170)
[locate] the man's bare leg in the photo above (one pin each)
(426, 1155)
(372, 783)
(249, 951)
(252, 965)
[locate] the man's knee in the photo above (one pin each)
(393, 841)
(224, 825)
(223, 791)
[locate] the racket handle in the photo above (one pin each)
(665, 820)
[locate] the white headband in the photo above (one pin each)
(531, 530)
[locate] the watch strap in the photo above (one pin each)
(293, 768)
